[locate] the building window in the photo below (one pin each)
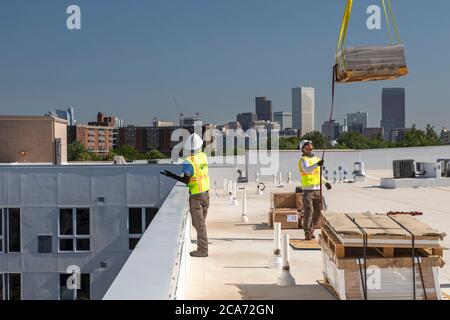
(1, 234)
(138, 221)
(10, 286)
(45, 244)
(71, 293)
(74, 230)
(14, 230)
(10, 235)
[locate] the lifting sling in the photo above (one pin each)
(370, 63)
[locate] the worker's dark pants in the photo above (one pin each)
(311, 209)
(199, 205)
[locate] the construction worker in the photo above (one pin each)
(195, 176)
(309, 166)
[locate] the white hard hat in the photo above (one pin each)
(193, 142)
(302, 143)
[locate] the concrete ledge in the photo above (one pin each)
(155, 268)
(389, 183)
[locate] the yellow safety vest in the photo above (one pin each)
(310, 179)
(199, 182)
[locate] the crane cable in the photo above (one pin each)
(340, 47)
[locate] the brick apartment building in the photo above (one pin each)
(98, 137)
(95, 139)
(145, 139)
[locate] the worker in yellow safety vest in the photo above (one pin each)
(310, 172)
(196, 178)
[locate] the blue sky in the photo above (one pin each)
(133, 56)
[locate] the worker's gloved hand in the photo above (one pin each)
(164, 173)
(169, 174)
(320, 163)
(328, 186)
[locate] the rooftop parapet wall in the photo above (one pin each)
(157, 267)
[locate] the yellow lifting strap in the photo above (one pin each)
(344, 26)
(346, 20)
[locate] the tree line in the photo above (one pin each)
(77, 152)
(354, 140)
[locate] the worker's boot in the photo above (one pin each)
(199, 254)
(308, 235)
(311, 233)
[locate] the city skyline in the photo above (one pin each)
(108, 66)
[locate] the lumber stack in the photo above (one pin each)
(370, 256)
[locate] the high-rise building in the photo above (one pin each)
(107, 121)
(303, 108)
(263, 109)
(158, 123)
(393, 110)
(398, 135)
(331, 130)
(246, 119)
(68, 114)
(191, 121)
(357, 122)
(445, 136)
(373, 132)
(95, 139)
(284, 119)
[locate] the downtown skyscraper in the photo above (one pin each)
(303, 109)
(393, 114)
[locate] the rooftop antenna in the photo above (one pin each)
(180, 112)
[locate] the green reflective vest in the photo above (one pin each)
(310, 179)
(199, 182)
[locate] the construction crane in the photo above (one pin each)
(180, 112)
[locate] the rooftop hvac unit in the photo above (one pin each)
(429, 170)
(445, 167)
(404, 169)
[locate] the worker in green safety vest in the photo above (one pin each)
(310, 172)
(196, 178)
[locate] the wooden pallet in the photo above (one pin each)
(325, 283)
(304, 244)
(386, 250)
(332, 241)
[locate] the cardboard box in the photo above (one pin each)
(289, 218)
(283, 200)
(299, 201)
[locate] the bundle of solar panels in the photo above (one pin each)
(359, 64)
(380, 257)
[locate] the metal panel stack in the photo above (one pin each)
(380, 257)
(357, 64)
